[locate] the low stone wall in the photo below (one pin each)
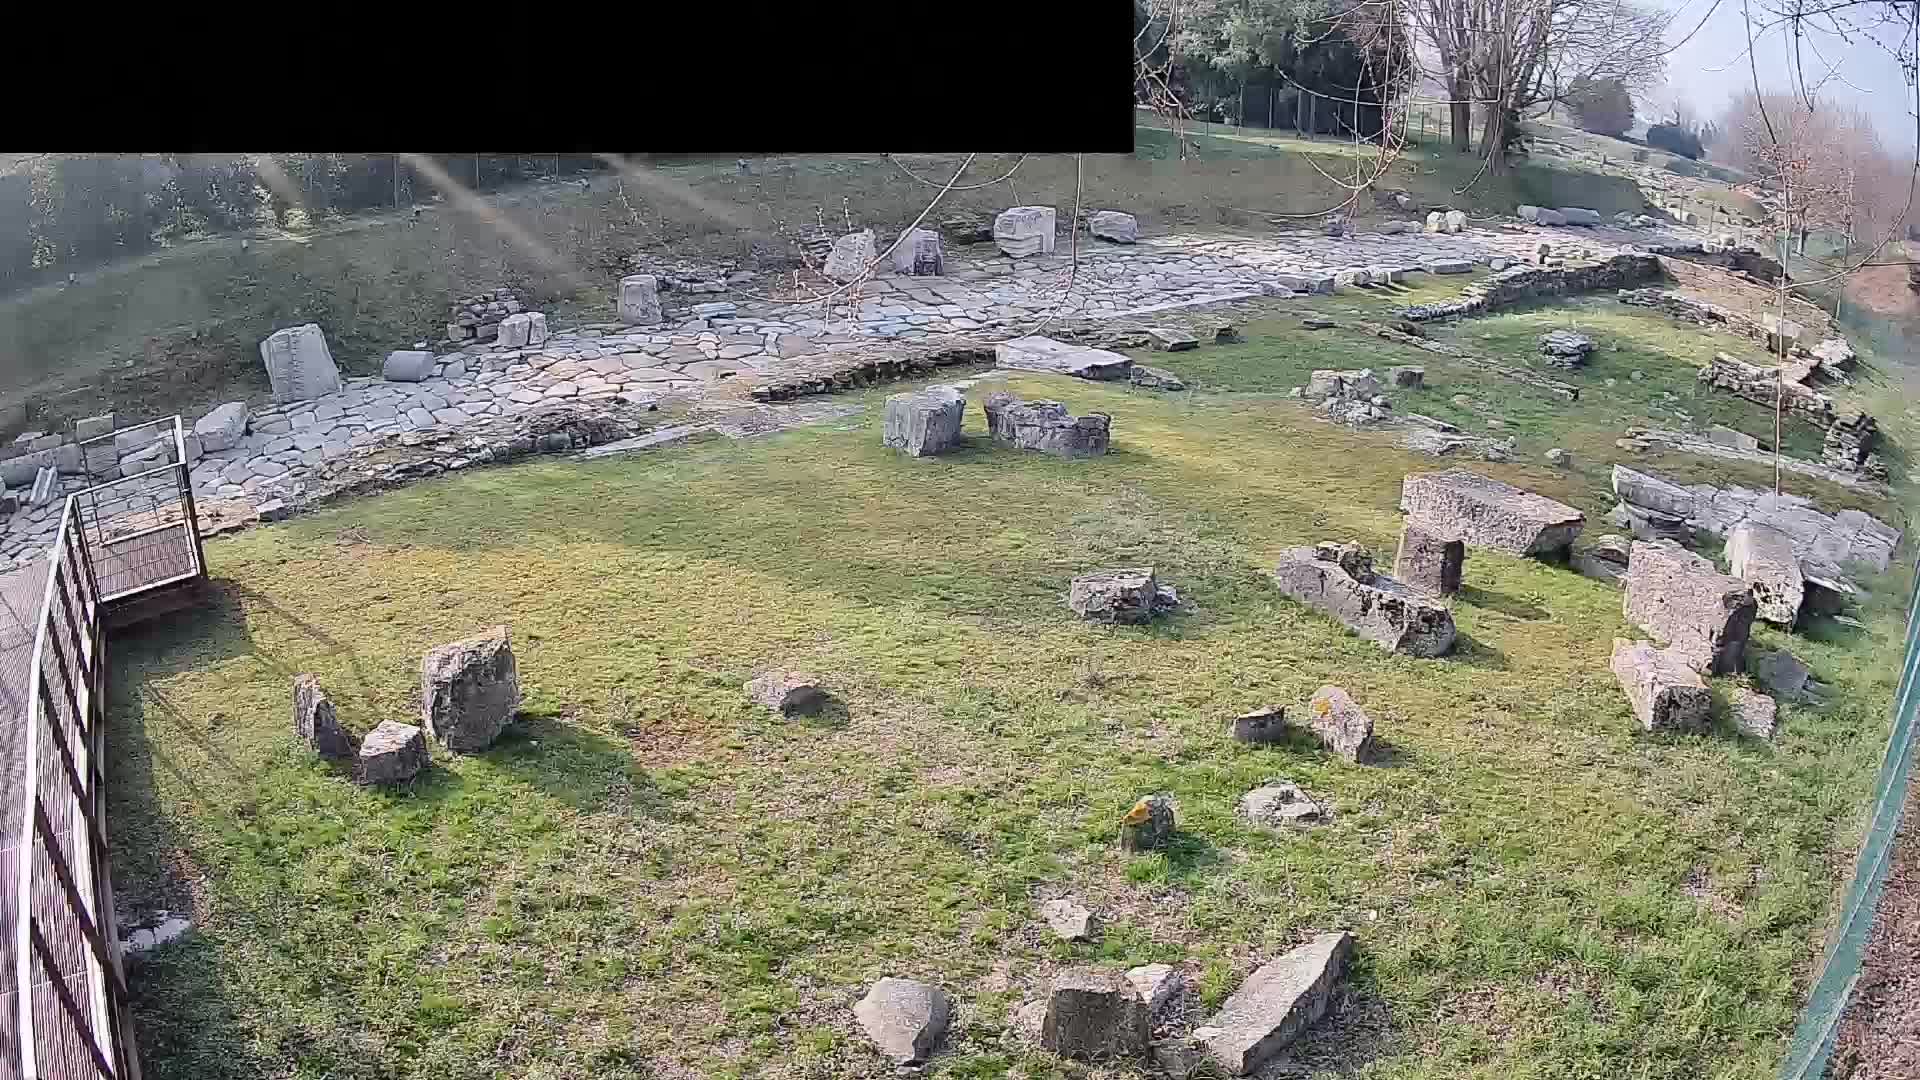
(1522, 283)
(1761, 384)
(864, 365)
(1562, 390)
(478, 317)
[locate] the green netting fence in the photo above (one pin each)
(1847, 945)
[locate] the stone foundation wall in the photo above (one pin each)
(477, 317)
(1523, 283)
(837, 371)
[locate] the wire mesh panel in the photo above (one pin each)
(65, 1009)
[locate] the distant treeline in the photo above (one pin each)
(60, 213)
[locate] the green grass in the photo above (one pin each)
(651, 877)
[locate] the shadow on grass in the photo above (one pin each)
(1503, 603)
(551, 753)
(1388, 754)
(1356, 1032)
(188, 1005)
(1190, 855)
(1473, 652)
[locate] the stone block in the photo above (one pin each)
(1148, 824)
(1754, 714)
(1260, 727)
(536, 328)
(299, 365)
(1276, 1004)
(1427, 562)
(1407, 377)
(1114, 225)
(1120, 596)
(315, 723)
(1455, 221)
(1149, 377)
(1450, 266)
(92, 427)
(925, 423)
(1701, 615)
(1783, 674)
(513, 332)
(1069, 921)
(853, 256)
(1170, 339)
(1484, 512)
(392, 753)
(407, 365)
(1278, 804)
(1341, 725)
(1024, 231)
(1361, 385)
(1378, 608)
(904, 1018)
(1578, 215)
(920, 254)
(469, 690)
(640, 300)
(1764, 558)
(1666, 694)
(1046, 426)
(1095, 1014)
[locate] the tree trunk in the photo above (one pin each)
(1460, 118)
(1493, 142)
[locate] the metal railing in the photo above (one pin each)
(1846, 952)
(115, 540)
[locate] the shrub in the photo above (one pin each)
(1675, 140)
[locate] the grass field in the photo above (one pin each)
(650, 877)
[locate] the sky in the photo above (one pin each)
(1712, 66)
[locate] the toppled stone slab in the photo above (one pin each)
(925, 423)
(392, 753)
(1450, 266)
(1130, 595)
(904, 1018)
(1763, 557)
(1276, 1004)
(222, 428)
(469, 690)
(1261, 727)
(1565, 348)
(789, 693)
(1094, 1014)
(314, 720)
(1378, 608)
(1069, 921)
(299, 365)
(1052, 357)
(1826, 545)
(1024, 231)
(1722, 435)
(1171, 339)
(1702, 615)
(1114, 225)
(1540, 215)
(1754, 714)
(1277, 804)
(1666, 693)
(1579, 215)
(1046, 426)
(1153, 378)
(1428, 562)
(1325, 385)
(1341, 725)
(405, 365)
(1148, 824)
(1485, 512)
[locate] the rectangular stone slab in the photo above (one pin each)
(1383, 611)
(1485, 512)
(1665, 693)
(1683, 601)
(1052, 357)
(1278, 1002)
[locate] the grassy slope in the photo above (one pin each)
(653, 877)
(180, 330)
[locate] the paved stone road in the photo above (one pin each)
(992, 296)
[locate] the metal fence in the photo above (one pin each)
(1839, 975)
(115, 540)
